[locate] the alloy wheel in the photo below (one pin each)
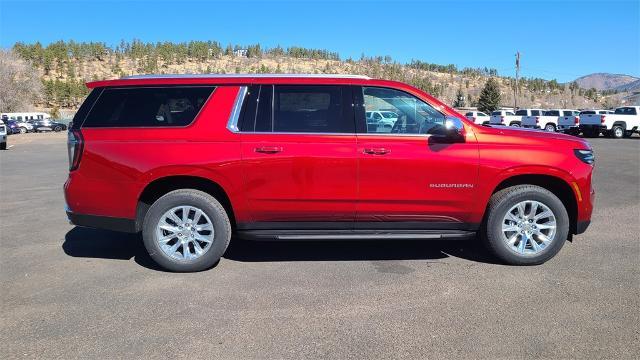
(529, 227)
(185, 233)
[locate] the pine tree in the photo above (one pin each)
(459, 101)
(489, 99)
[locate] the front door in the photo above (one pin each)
(407, 180)
(299, 158)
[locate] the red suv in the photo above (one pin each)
(190, 160)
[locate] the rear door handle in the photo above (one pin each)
(376, 151)
(269, 149)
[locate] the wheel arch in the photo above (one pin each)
(620, 123)
(163, 185)
(558, 186)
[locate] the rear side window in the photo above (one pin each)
(496, 113)
(521, 112)
(147, 106)
(535, 113)
(625, 111)
(567, 113)
(469, 114)
(589, 112)
(552, 113)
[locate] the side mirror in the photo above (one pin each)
(452, 132)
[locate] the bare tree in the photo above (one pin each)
(21, 85)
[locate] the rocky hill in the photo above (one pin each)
(65, 66)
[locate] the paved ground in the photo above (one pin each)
(77, 293)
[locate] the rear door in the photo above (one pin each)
(299, 156)
(406, 180)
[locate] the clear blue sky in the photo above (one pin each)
(557, 39)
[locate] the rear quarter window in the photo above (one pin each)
(521, 112)
(147, 106)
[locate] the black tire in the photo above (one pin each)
(498, 207)
(57, 129)
(3, 146)
(550, 128)
(210, 206)
(617, 132)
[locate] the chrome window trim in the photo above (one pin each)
(332, 134)
(232, 124)
(245, 76)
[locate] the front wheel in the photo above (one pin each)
(526, 225)
(550, 128)
(186, 230)
(57, 128)
(515, 124)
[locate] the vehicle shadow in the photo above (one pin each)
(104, 244)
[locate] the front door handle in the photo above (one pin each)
(376, 151)
(269, 149)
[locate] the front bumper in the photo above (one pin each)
(582, 226)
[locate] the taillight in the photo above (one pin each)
(602, 119)
(75, 144)
(473, 118)
(502, 119)
(576, 120)
(537, 119)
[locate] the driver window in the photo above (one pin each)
(403, 113)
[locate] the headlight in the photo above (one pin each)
(586, 156)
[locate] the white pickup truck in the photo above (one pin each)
(504, 117)
(547, 121)
(477, 117)
(623, 122)
(526, 112)
(568, 122)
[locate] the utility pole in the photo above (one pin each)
(515, 90)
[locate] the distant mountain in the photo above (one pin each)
(632, 86)
(606, 81)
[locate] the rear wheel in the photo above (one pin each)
(550, 128)
(3, 146)
(515, 124)
(23, 130)
(617, 132)
(590, 133)
(57, 128)
(526, 225)
(186, 230)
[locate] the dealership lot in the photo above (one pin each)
(80, 293)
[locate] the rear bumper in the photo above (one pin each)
(102, 222)
(583, 127)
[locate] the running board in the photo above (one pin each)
(312, 235)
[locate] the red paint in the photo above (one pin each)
(293, 177)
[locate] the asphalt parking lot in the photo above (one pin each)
(79, 293)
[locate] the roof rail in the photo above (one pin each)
(205, 76)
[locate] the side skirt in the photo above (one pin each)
(312, 235)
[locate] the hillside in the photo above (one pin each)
(65, 66)
(606, 81)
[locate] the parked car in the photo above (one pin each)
(504, 117)
(548, 121)
(289, 157)
(570, 124)
(622, 123)
(478, 117)
(3, 136)
(382, 119)
(48, 125)
(20, 126)
(525, 112)
(12, 127)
